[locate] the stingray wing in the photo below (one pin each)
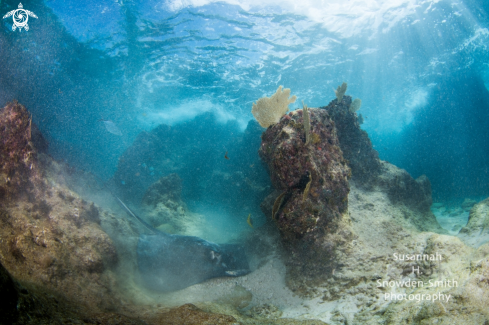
(173, 262)
(30, 13)
(10, 13)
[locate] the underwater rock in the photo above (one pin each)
(18, 155)
(191, 149)
(467, 204)
(476, 232)
(383, 229)
(195, 150)
(164, 209)
(467, 271)
(189, 314)
(310, 205)
(163, 206)
(402, 188)
(51, 237)
(354, 142)
(266, 311)
(29, 303)
(367, 169)
(166, 190)
(313, 182)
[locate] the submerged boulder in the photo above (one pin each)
(19, 167)
(476, 232)
(216, 162)
(402, 188)
(51, 237)
(355, 144)
(312, 181)
(164, 209)
(167, 190)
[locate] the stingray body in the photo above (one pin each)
(173, 262)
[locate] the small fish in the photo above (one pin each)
(111, 127)
(226, 155)
(249, 221)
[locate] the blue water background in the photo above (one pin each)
(421, 69)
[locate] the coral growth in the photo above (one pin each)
(313, 180)
(51, 237)
(354, 142)
(164, 209)
(268, 111)
(340, 92)
(19, 168)
(307, 123)
(355, 105)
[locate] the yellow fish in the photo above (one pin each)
(249, 221)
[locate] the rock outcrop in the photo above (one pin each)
(20, 174)
(215, 162)
(355, 144)
(313, 184)
(51, 237)
(476, 232)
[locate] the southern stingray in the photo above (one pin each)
(173, 262)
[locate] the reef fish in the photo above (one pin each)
(249, 221)
(112, 128)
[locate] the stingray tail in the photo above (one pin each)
(129, 211)
(132, 214)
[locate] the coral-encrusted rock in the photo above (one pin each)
(163, 206)
(50, 237)
(354, 142)
(309, 216)
(18, 163)
(368, 170)
(166, 190)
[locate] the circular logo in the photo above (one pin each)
(20, 18)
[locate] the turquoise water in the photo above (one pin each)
(149, 103)
(420, 68)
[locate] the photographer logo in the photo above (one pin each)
(20, 17)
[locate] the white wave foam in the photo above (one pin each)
(347, 18)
